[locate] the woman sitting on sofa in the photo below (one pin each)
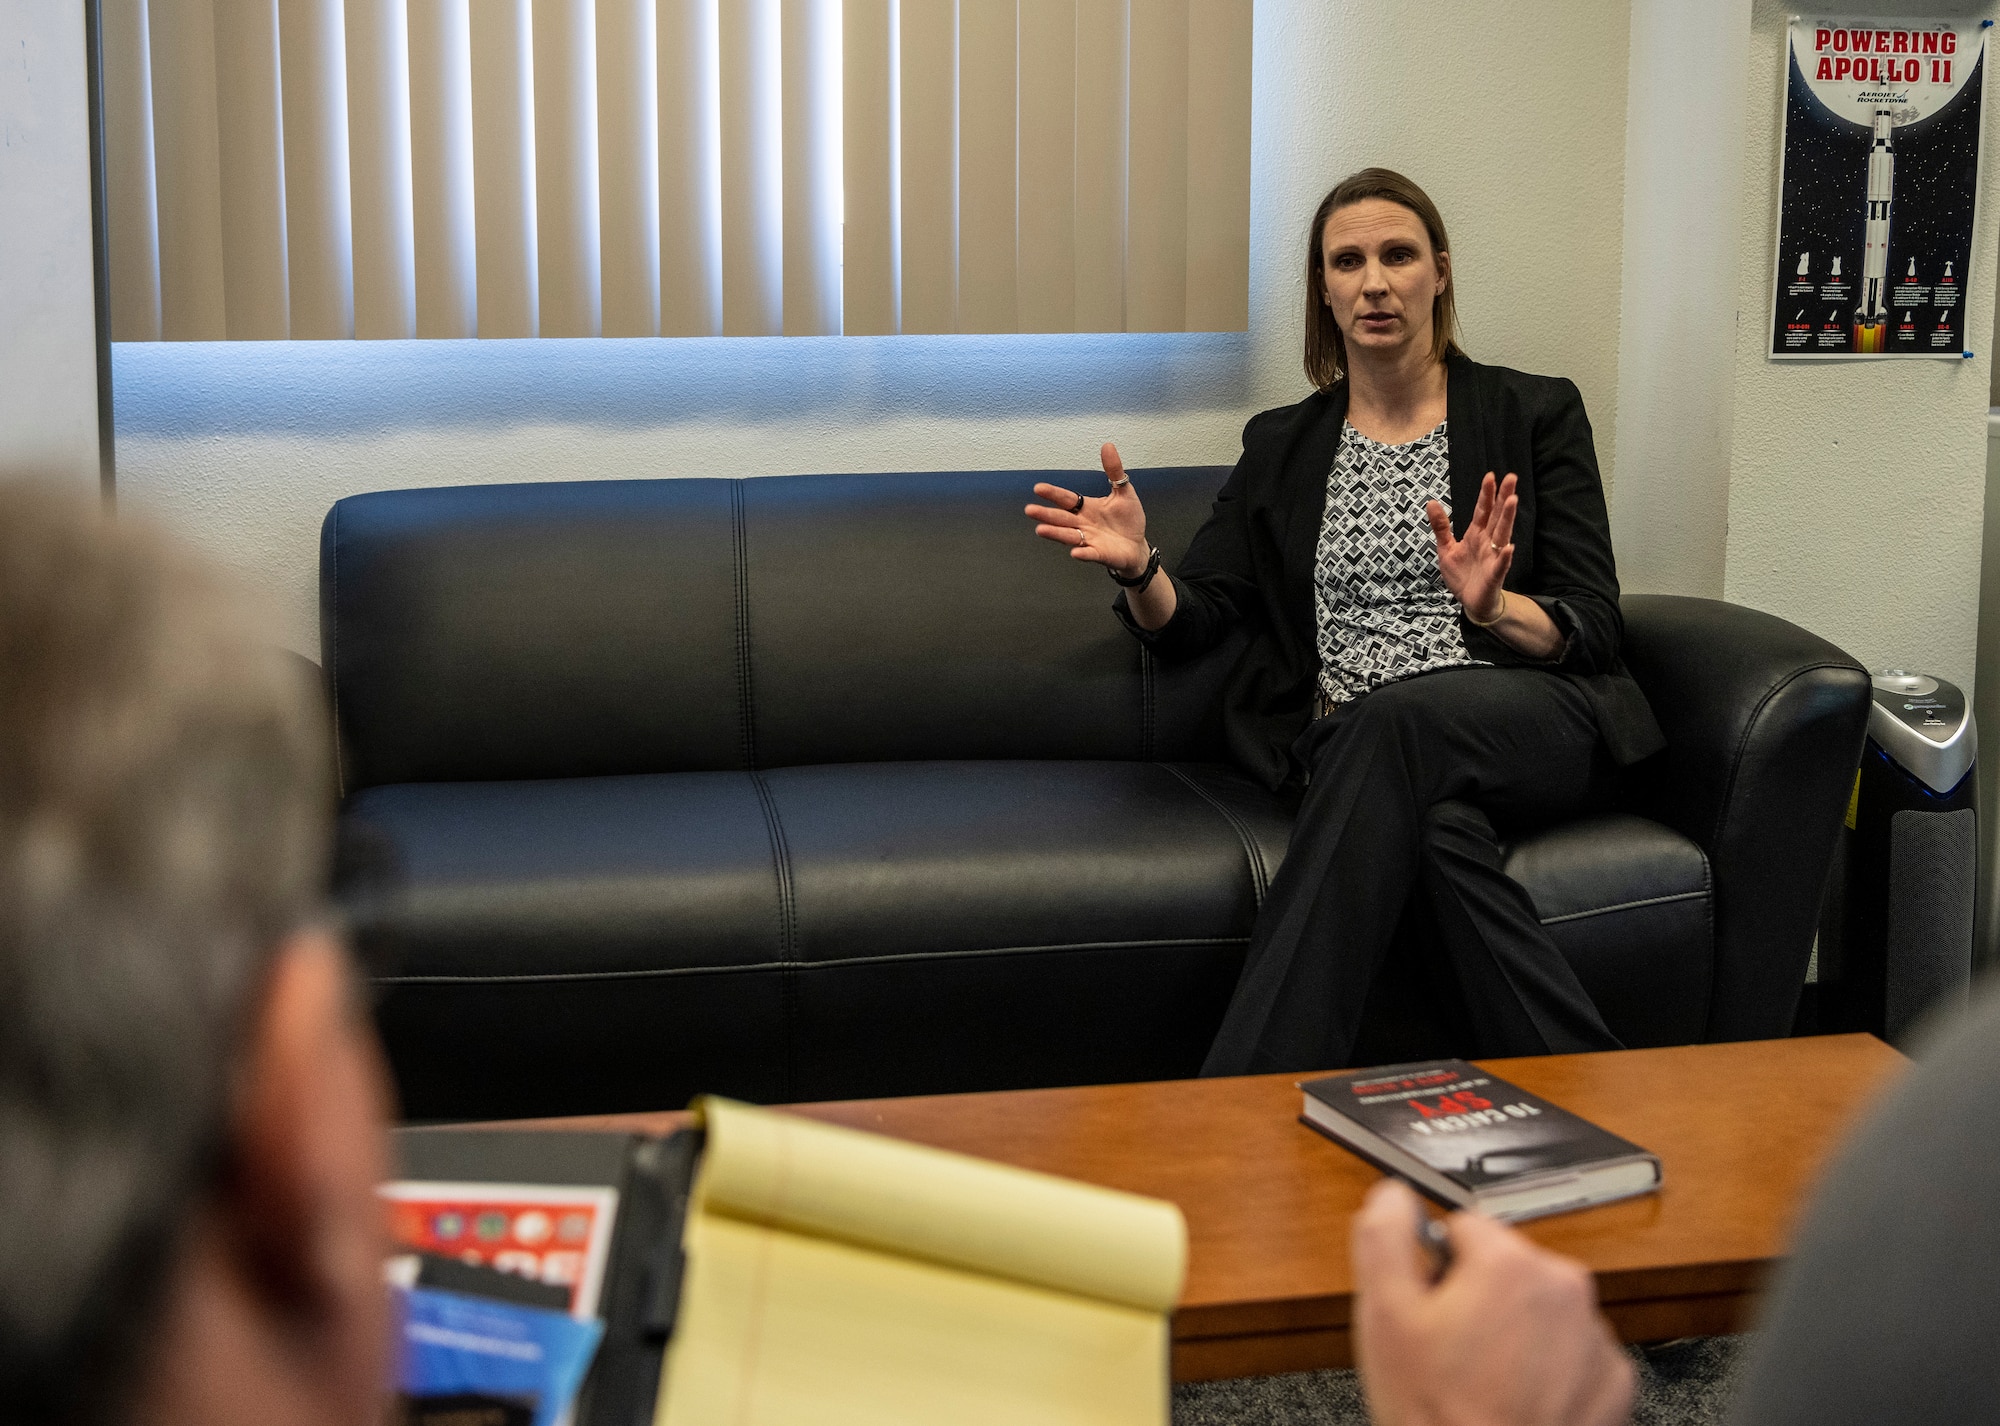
(1436, 652)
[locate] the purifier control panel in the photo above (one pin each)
(1924, 725)
(1936, 710)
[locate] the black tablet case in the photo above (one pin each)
(642, 1279)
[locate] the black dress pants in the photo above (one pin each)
(1407, 785)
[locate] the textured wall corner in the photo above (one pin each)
(48, 306)
(1684, 126)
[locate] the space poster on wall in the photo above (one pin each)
(1881, 176)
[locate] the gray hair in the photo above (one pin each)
(164, 822)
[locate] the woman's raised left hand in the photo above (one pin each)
(1475, 566)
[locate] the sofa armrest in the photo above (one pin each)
(1764, 724)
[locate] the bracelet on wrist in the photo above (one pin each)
(1141, 579)
(1489, 623)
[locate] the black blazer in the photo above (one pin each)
(1253, 561)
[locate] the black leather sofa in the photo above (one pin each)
(826, 786)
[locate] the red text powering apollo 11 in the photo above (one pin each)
(1885, 56)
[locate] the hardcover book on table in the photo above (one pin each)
(1469, 1139)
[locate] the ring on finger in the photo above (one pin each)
(1078, 507)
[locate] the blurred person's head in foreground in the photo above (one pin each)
(191, 1101)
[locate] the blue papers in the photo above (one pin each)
(453, 1345)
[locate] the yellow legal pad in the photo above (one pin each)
(835, 1276)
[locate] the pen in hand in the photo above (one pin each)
(1435, 1239)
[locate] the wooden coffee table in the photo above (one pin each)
(1741, 1131)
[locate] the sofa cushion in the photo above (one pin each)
(1628, 902)
(589, 944)
(863, 649)
(522, 631)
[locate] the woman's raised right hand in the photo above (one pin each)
(1104, 529)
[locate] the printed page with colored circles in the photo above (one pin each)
(559, 1236)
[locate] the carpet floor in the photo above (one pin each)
(1683, 1383)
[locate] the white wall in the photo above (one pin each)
(1856, 488)
(1986, 707)
(48, 341)
(1514, 121)
(1684, 126)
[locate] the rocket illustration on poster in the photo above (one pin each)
(1880, 185)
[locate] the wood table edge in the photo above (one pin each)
(1331, 1346)
(1626, 1289)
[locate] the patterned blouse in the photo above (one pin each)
(1384, 612)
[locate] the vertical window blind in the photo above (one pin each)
(567, 168)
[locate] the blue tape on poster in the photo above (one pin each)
(453, 1345)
